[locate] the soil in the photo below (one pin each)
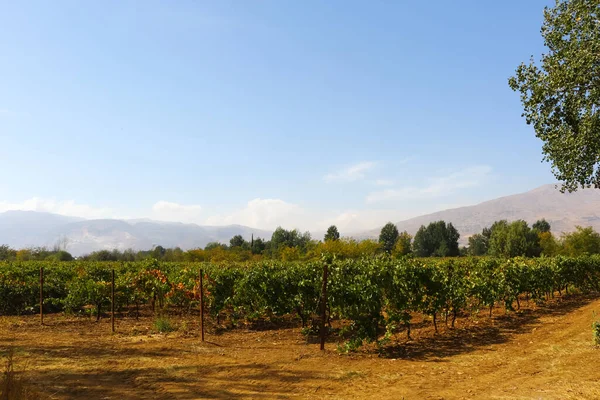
(543, 352)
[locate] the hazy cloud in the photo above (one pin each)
(384, 182)
(264, 214)
(436, 187)
(67, 207)
(352, 173)
(168, 211)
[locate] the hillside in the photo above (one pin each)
(21, 229)
(563, 211)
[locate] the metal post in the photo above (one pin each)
(201, 305)
(42, 295)
(112, 301)
(324, 306)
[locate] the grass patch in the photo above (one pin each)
(13, 387)
(162, 325)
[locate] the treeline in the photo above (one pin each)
(517, 238)
(437, 239)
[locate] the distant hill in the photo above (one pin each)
(563, 211)
(20, 229)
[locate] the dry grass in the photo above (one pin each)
(539, 353)
(13, 386)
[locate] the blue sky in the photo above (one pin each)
(264, 113)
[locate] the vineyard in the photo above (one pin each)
(371, 298)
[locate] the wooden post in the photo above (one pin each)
(42, 295)
(324, 307)
(201, 305)
(112, 301)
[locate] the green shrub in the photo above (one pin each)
(163, 325)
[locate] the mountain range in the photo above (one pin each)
(563, 211)
(21, 229)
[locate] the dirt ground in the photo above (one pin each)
(539, 353)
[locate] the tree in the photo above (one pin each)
(284, 238)
(561, 97)
(158, 252)
(258, 246)
(582, 241)
(214, 245)
(388, 237)
(548, 244)
(332, 233)
(237, 241)
(541, 226)
(438, 239)
(403, 244)
(6, 253)
(513, 239)
(478, 245)
(62, 255)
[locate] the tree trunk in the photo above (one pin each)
(435, 322)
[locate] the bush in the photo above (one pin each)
(163, 325)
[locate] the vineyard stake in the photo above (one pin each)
(42, 295)
(201, 305)
(112, 301)
(324, 306)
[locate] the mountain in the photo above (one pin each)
(20, 229)
(28, 228)
(564, 211)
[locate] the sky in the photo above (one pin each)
(264, 113)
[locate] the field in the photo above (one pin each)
(542, 352)
(408, 328)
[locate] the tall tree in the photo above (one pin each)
(332, 233)
(237, 241)
(478, 245)
(403, 244)
(437, 239)
(541, 225)
(513, 239)
(388, 237)
(582, 241)
(6, 253)
(561, 97)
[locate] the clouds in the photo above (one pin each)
(264, 214)
(168, 211)
(66, 207)
(436, 187)
(370, 210)
(352, 173)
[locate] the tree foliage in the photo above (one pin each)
(438, 239)
(403, 244)
(332, 233)
(388, 237)
(513, 239)
(541, 226)
(561, 96)
(478, 245)
(582, 241)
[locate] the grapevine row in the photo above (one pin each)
(373, 295)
